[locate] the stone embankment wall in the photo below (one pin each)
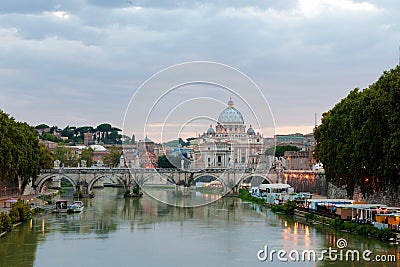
(318, 185)
(389, 196)
(315, 185)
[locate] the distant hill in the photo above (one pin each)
(172, 143)
(176, 143)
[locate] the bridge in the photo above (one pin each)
(83, 179)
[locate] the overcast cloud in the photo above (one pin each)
(78, 62)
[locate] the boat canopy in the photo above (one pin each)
(274, 186)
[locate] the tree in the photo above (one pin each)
(87, 154)
(112, 159)
(279, 151)
(108, 134)
(358, 140)
(126, 140)
(46, 159)
(66, 156)
(42, 126)
(164, 162)
(22, 156)
(50, 137)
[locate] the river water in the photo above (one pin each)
(114, 231)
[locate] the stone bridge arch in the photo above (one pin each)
(41, 182)
(142, 177)
(198, 176)
(120, 178)
(248, 179)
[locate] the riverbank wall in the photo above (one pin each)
(389, 196)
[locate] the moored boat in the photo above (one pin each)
(77, 206)
(61, 206)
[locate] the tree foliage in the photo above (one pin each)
(112, 159)
(42, 126)
(21, 154)
(66, 156)
(164, 162)
(358, 140)
(87, 154)
(279, 151)
(20, 212)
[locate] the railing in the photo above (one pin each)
(149, 170)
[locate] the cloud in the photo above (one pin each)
(80, 61)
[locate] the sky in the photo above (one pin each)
(79, 62)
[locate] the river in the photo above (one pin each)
(114, 231)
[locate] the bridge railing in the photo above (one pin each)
(149, 170)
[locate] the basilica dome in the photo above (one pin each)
(250, 131)
(211, 130)
(230, 115)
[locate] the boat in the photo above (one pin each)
(61, 206)
(77, 206)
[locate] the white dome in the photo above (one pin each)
(98, 148)
(230, 115)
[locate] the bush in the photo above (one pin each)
(20, 212)
(349, 226)
(337, 223)
(310, 216)
(246, 196)
(5, 222)
(289, 207)
(362, 230)
(277, 208)
(386, 234)
(374, 232)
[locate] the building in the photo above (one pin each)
(229, 144)
(147, 160)
(88, 139)
(299, 160)
(146, 145)
(147, 157)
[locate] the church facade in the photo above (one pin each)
(230, 144)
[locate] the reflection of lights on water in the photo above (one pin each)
(285, 223)
(30, 224)
(307, 240)
(43, 226)
(209, 196)
(332, 239)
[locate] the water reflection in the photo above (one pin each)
(114, 231)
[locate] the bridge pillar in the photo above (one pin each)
(133, 190)
(82, 190)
